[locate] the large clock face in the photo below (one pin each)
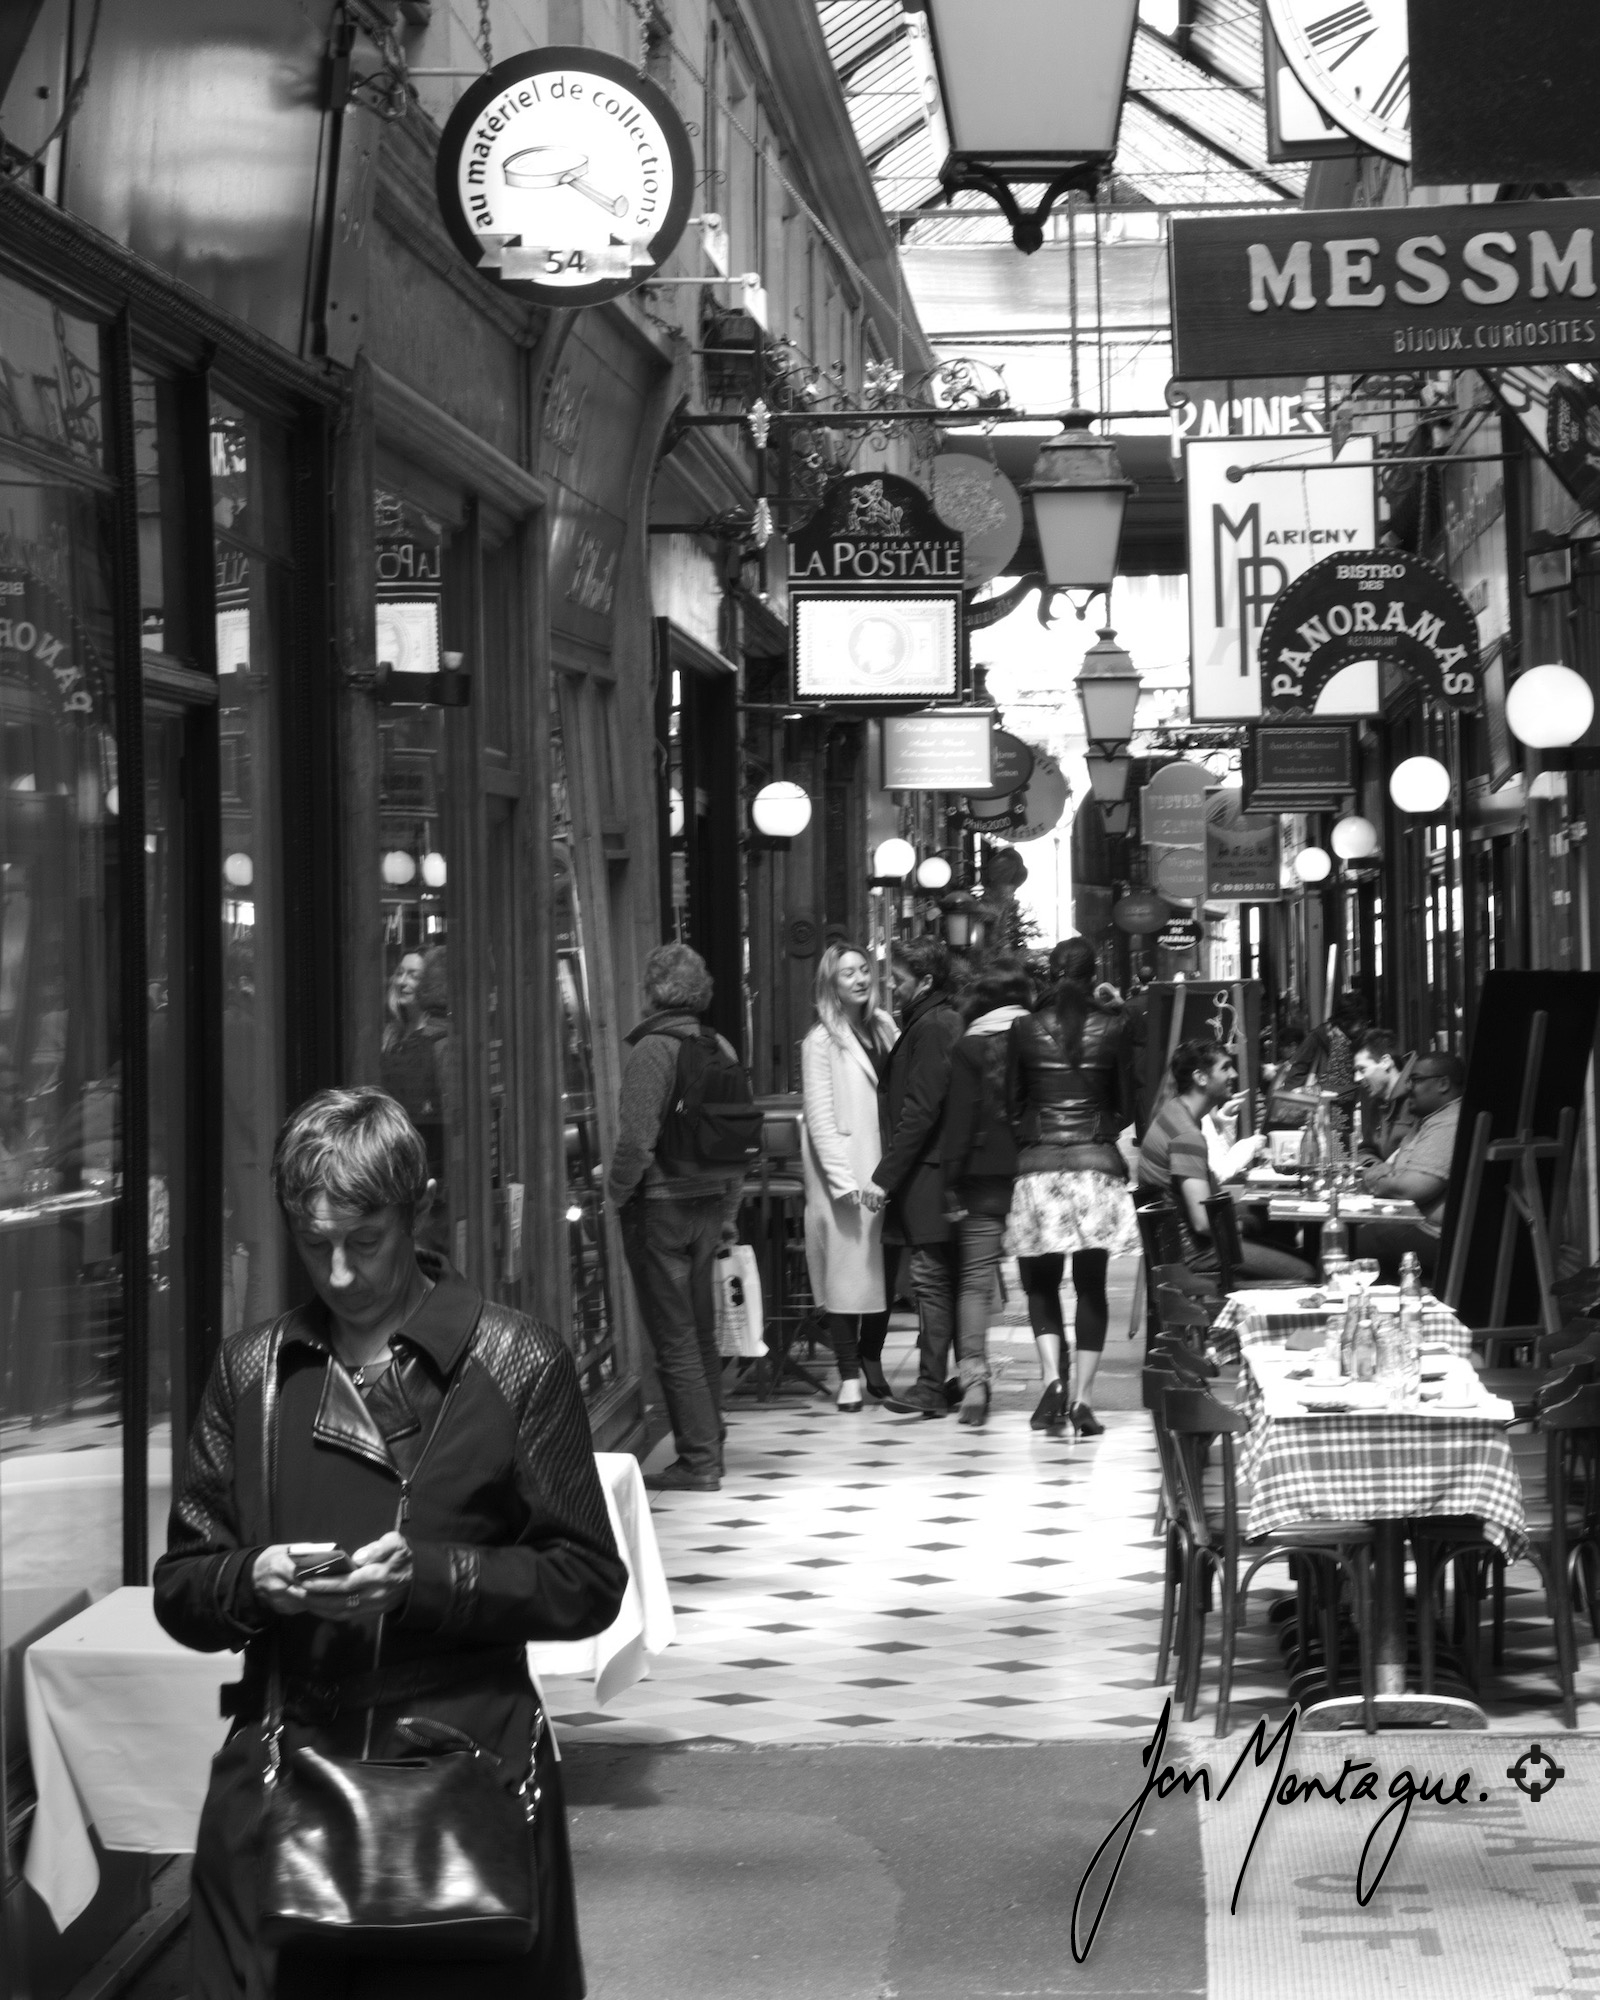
(1353, 58)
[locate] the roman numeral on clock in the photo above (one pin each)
(1345, 29)
(1396, 92)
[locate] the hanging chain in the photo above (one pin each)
(485, 34)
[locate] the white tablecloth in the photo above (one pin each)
(123, 1721)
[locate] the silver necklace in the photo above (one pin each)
(377, 1364)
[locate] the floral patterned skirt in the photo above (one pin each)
(1054, 1214)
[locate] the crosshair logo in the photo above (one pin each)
(1535, 1772)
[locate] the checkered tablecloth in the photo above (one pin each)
(1270, 1317)
(1366, 1468)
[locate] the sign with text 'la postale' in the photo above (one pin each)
(1378, 603)
(875, 583)
(1306, 291)
(1249, 538)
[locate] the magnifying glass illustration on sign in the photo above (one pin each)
(558, 166)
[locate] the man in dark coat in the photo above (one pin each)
(915, 1082)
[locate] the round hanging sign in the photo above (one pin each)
(1045, 799)
(976, 498)
(1182, 934)
(1368, 604)
(566, 176)
(1011, 762)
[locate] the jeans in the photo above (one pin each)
(669, 1247)
(933, 1285)
(981, 1237)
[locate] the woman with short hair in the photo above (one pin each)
(841, 1063)
(440, 1440)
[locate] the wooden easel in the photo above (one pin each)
(1524, 1195)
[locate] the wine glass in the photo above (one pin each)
(1364, 1272)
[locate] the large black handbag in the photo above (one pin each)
(429, 1856)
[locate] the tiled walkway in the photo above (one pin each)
(889, 1580)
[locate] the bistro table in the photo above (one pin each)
(1339, 1451)
(123, 1721)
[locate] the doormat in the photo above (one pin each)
(1438, 1865)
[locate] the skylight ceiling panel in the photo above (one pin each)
(909, 176)
(1227, 37)
(883, 99)
(1170, 165)
(1215, 110)
(852, 27)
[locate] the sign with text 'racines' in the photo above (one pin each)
(1303, 292)
(1378, 604)
(565, 176)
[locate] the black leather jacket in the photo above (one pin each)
(1067, 1115)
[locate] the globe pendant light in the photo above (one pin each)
(1313, 864)
(1419, 785)
(781, 810)
(1549, 708)
(933, 872)
(1354, 838)
(893, 860)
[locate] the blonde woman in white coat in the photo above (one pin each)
(841, 1061)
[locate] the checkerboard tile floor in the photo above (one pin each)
(884, 1579)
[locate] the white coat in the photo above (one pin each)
(843, 1143)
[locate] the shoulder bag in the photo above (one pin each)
(428, 1856)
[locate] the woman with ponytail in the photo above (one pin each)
(841, 1061)
(1069, 1092)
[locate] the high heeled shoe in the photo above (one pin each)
(1085, 1422)
(1051, 1413)
(852, 1407)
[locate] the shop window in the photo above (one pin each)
(162, 516)
(421, 1060)
(250, 530)
(61, 1075)
(590, 1281)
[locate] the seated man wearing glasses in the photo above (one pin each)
(1173, 1163)
(1419, 1168)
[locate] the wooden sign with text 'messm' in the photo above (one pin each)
(1306, 291)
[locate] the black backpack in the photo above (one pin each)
(712, 1119)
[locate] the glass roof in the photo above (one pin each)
(1193, 128)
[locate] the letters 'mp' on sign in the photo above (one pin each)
(565, 176)
(1306, 291)
(1376, 604)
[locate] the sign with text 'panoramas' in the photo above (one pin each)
(1379, 604)
(1306, 291)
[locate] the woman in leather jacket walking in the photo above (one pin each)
(1069, 1092)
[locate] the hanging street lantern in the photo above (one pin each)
(963, 920)
(1549, 708)
(781, 810)
(1419, 785)
(1108, 777)
(1032, 94)
(1079, 493)
(1108, 687)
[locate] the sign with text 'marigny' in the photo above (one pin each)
(1307, 291)
(1378, 604)
(875, 594)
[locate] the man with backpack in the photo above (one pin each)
(688, 1132)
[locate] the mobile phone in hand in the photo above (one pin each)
(318, 1559)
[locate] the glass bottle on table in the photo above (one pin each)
(1366, 1344)
(1411, 1325)
(1348, 1335)
(1333, 1245)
